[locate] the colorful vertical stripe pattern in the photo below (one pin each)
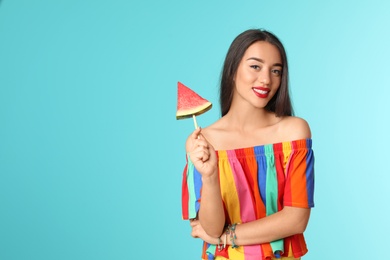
(257, 182)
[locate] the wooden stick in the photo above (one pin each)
(195, 123)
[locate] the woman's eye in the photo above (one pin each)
(277, 72)
(256, 67)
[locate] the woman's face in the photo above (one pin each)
(258, 75)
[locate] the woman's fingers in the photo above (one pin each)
(201, 153)
(201, 143)
(196, 133)
(194, 228)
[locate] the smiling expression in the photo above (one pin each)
(258, 75)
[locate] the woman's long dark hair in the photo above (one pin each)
(280, 103)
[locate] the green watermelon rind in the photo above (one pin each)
(187, 113)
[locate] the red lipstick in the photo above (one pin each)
(261, 92)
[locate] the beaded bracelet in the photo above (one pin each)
(219, 245)
(233, 236)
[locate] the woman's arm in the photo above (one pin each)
(211, 213)
(285, 223)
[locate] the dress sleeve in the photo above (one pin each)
(299, 186)
(191, 190)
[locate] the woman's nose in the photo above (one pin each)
(265, 78)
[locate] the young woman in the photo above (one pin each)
(249, 180)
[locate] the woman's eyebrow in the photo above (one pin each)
(256, 59)
(262, 61)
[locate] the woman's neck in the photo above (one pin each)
(248, 119)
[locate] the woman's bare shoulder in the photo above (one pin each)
(216, 132)
(213, 129)
(295, 128)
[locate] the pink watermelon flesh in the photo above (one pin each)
(189, 103)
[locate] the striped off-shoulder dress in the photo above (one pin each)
(257, 182)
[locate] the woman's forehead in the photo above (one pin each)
(264, 51)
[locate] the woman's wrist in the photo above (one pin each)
(223, 241)
(228, 237)
(212, 179)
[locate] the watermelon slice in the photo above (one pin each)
(189, 103)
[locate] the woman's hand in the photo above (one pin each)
(198, 232)
(202, 154)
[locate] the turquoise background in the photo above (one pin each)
(91, 155)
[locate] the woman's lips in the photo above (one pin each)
(261, 92)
